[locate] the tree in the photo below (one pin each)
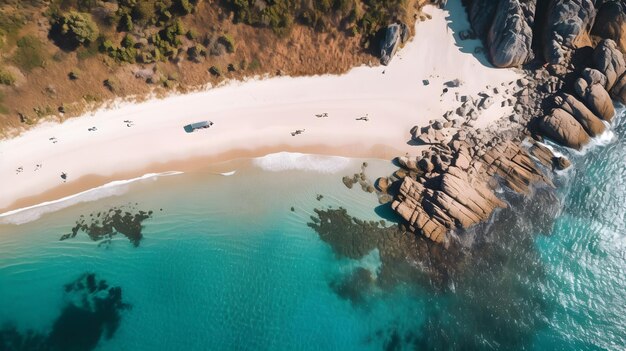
(79, 27)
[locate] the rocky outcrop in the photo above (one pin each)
(610, 61)
(618, 91)
(567, 27)
(593, 76)
(596, 98)
(510, 36)
(592, 124)
(458, 202)
(611, 23)
(395, 35)
(481, 14)
(563, 128)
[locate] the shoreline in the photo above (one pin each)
(197, 164)
(256, 117)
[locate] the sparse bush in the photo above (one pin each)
(6, 78)
(215, 71)
(112, 84)
(75, 74)
(228, 42)
(29, 53)
(254, 65)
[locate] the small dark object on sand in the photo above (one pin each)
(297, 132)
(322, 115)
(319, 197)
(364, 118)
(64, 176)
(293, 209)
(92, 129)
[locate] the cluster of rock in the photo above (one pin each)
(566, 96)
(575, 119)
(508, 27)
(451, 185)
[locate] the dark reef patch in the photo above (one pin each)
(125, 220)
(92, 310)
(486, 285)
(355, 286)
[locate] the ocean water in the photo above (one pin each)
(215, 262)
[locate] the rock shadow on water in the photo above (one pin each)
(483, 290)
(92, 311)
(104, 225)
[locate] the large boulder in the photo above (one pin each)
(611, 23)
(395, 35)
(609, 60)
(568, 25)
(510, 36)
(481, 14)
(596, 98)
(592, 124)
(563, 128)
(593, 76)
(618, 91)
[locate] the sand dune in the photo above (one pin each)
(257, 117)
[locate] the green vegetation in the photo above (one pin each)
(6, 78)
(29, 53)
(78, 27)
(254, 65)
(3, 109)
(215, 71)
(353, 16)
(228, 42)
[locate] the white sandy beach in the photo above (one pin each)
(256, 117)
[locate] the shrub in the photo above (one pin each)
(112, 84)
(128, 41)
(254, 65)
(79, 27)
(29, 53)
(215, 71)
(6, 78)
(228, 42)
(184, 6)
(75, 74)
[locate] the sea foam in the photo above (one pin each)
(287, 161)
(114, 188)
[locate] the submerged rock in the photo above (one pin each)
(105, 225)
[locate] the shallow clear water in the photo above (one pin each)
(224, 263)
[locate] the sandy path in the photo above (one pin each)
(258, 116)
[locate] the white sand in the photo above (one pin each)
(262, 114)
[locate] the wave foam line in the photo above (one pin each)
(117, 187)
(288, 161)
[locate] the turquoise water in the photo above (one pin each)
(225, 264)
